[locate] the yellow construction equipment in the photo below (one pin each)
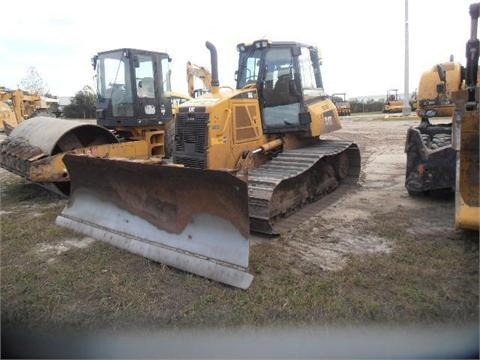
(436, 86)
(198, 72)
(393, 104)
(431, 158)
(466, 136)
(134, 114)
(243, 160)
(16, 106)
(342, 104)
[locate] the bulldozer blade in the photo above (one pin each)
(193, 220)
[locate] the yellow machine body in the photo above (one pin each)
(236, 125)
(466, 135)
(36, 147)
(466, 143)
(436, 86)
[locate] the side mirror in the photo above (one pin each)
(136, 63)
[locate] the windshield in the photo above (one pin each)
(249, 66)
(113, 82)
(144, 77)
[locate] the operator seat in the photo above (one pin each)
(146, 89)
(284, 90)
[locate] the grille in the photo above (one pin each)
(190, 162)
(191, 139)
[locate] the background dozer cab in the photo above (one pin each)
(393, 104)
(134, 111)
(342, 104)
(259, 143)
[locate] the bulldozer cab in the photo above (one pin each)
(288, 78)
(132, 88)
(392, 95)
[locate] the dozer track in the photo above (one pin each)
(296, 177)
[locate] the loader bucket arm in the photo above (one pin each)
(194, 220)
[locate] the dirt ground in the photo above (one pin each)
(372, 255)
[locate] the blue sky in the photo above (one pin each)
(362, 42)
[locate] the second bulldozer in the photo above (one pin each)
(242, 161)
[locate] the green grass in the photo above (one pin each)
(428, 280)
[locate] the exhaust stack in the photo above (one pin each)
(214, 66)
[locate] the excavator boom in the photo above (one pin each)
(198, 72)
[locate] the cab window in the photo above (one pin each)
(144, 77)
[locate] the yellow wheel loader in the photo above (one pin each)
(242, 161)
(134, 111)
(466, 136)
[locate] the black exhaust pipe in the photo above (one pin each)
(473, 53)
(214, 63)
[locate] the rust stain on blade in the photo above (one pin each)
(166, 196)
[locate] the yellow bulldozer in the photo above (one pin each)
(393, 103)
(133, 112)
(343, 105)
(242, 161)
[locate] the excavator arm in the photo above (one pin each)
(23, 105)
(198, 72)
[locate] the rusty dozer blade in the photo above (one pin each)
(193, 220)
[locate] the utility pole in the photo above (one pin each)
(406, 96)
